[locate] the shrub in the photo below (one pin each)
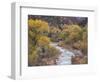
(52, 51)
(43, 41)
(74, 32)
(33, 58)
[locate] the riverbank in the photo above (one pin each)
(79, 57)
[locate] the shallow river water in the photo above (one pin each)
(65, 56)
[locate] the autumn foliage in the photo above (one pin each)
(38, 42)
(41, 32)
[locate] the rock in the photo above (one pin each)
(77, 52)
(79, 60)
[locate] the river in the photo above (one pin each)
(65, 56)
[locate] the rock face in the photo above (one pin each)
(59, 20)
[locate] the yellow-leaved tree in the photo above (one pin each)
(73, 32)
(38, 25)
(43, 40)
(37, 28)
(37, 37)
